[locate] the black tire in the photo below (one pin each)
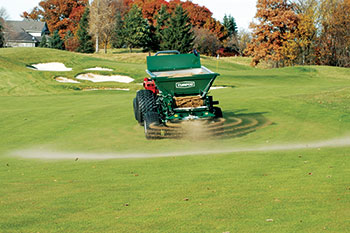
(151, 118)
(146, 103)
(136, 110)
(217, 112)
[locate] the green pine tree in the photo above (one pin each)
(117, 39)
(178, 34)
(162, 20)
(85, 40)
(136, 29)
(55, 41)
(43, 42)
(230, 24)
(152, 43)
(2, 39)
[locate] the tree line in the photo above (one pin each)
(151, 25)
(301, 32)
(284, 32)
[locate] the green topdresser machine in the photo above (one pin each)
(177, 90)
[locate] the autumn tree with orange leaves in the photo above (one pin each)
(198, 15)
(215, 27)
(305, 38)
(277, 22)
(201, 17)
(334, 41)
(61, 15)
(150, 8)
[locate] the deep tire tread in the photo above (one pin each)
(146, 103)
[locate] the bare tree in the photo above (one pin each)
(302, 6)
(96, 21)
(206, 42)
(3, 13)
(102, 20)
(5, 30)
(244, 37)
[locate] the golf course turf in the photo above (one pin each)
(241, 186)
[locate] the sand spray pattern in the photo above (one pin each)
(54, 155)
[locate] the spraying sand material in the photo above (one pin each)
(65, 80)
(52, 66)
(104, 78)
(195, 129)
(54, 155)
(99, 69)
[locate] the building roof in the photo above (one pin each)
(22, 37)
(26, 25)
(20, 31)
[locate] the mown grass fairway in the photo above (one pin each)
(301, 190)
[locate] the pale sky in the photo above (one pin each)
(242, 10)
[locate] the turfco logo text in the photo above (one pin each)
(185, 84)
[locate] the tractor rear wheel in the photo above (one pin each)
(217, 112)
(151, 118)
(136, 110)
(146, 102)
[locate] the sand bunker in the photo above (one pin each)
(104, 78)
(65, 80)
(55, 155)
(52, 66)
(99, 69)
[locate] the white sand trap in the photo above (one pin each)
(52, 66)
(99, 69)
(65, 80)
(55, 155)
(216, 88)
(96, 78)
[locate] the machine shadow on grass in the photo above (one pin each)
(240, 124)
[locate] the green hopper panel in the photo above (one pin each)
(173, 62)
(180, 74)
(185, 86)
